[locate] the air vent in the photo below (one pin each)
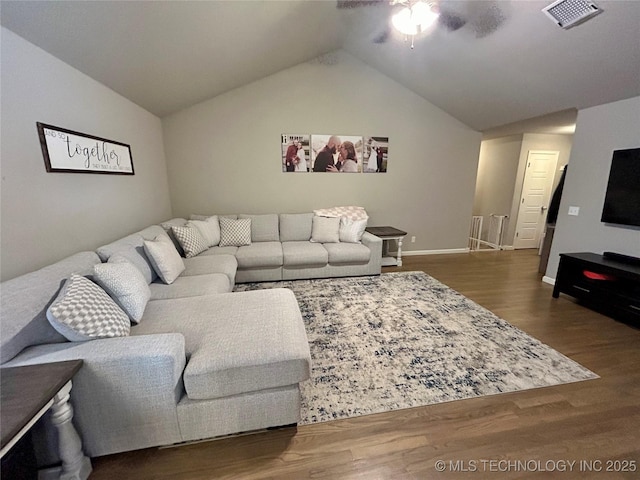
(568, 13)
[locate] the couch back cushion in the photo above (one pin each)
(264, 228)
(24, 301)
(295, 227)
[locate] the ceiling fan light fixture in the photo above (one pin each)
(414, 18)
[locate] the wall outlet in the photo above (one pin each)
(413, 239)
(574, 211)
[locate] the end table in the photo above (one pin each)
(389, 233)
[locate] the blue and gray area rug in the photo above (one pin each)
(404, 340)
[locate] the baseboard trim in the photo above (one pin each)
(430, 252)
(549, 280)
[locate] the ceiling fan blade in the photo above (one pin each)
(451, 21)
(382, 37)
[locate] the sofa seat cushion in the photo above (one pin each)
(230, 250)
(347, 253)
(235, 342)
(191, 286)
(259, 255)
(304, 254)
(203, 264)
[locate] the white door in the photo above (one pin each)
(534, 201)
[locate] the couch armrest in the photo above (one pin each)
(126, 392)
(373, 242)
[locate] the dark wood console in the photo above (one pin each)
(609, 283)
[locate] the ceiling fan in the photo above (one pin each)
(413, 17)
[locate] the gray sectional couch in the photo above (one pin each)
(203, 361)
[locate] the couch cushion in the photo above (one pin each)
(229, 250)
(126, 285)
(152, 232)
(302, 254)
(236, 342)
(203, 264)
(260, 254)
(347, 253)
(192, 286)
(295, 226)
(190, 239)
(264, 228)
(84, 311)
(24, 301)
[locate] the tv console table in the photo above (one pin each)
(609, 283)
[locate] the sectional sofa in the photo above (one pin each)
(200, 360)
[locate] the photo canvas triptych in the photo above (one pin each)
(333, 153)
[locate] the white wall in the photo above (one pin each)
(536, 141)
(599, 131)
(501, 172)
(224, 155)
(496, 182)
(48, 216)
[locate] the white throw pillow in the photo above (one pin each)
(325, 230)
(126, 285)
(83, 311)
(235, 233)
(351, 231)
(209, 229)
(351, 212)
(164, 257)
(190, 239)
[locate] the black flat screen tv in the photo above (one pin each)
(622, 200)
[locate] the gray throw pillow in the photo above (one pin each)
(190, 239)
(126, 285)
(235, 233)
(83, 311)
(325, 229)
(209, 229)
(164, 257)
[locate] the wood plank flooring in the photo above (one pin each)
(530, 434)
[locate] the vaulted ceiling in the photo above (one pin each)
(169, 55)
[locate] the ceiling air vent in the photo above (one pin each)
(568, 13)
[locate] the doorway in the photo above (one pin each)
(534, 201)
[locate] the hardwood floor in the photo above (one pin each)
(529, 434)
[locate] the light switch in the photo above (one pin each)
(574, 211)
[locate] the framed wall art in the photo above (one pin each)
(74, 152)
(295, 153)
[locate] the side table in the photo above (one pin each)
(28, 392)
(389, 233)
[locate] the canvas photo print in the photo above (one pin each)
(336, 153)
(295, 153)
(376, 153)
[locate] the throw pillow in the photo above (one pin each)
(164, 257)
(190, 239)
(325, 229)
(235, 233)
(352, 212)
(209, 229)
(351, 231)
(126, 285)
(83, 311)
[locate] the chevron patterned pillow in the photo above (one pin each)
(190, 239)
(83, 311)
(235, 233)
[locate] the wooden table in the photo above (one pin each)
(389, 233)
(27, 393)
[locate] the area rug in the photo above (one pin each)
(402, 340)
